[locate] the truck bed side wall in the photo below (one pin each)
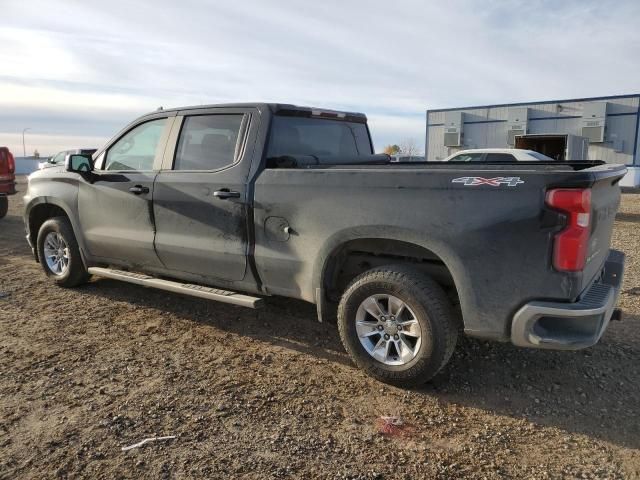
(493, 240)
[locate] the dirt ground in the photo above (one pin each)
(271, 394)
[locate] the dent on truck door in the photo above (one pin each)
(200, 204)
(115, 209)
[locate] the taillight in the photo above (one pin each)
(570, 245)
(12, 163)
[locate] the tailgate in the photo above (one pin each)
(605, 200)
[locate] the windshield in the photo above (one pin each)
(58, 158)
(317, 137)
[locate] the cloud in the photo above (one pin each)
(85, 68)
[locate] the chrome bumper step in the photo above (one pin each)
(178, 287)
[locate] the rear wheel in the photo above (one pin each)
(59, 253)
(4, 206)
(397, 324)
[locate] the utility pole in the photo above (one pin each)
(24, 148)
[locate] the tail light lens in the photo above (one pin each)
(12, 163)
(570, 245)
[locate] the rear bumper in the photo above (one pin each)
(571, 326)
(7, 187)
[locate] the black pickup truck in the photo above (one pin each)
(237, 202)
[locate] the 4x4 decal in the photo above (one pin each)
(493, 182)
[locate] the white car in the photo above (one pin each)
(492, 155)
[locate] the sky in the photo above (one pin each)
(76, 72)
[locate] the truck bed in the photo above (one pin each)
(483, 232)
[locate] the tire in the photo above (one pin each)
(4, 206)
(75, 273)
(408, 361)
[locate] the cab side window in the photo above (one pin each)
(207, 142)
(136, 150)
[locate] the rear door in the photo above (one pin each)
(201, 196)
(115, 208)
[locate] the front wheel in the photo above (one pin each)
(397, 324)
(59, 253)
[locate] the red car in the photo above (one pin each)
(7, 179)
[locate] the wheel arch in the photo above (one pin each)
(42, 209)
(354, 251)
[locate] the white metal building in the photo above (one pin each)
(601, 128)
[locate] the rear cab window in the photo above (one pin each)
(318, 137)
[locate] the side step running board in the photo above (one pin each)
(177, 287)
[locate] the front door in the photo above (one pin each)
(115, 207)
(200, 199)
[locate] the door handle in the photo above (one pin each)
(138, 189)
(225, 193)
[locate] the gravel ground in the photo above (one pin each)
(272, 394)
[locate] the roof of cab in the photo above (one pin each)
(275, 108)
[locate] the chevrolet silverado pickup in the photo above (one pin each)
(238, 202)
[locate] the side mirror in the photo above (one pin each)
(78, 163)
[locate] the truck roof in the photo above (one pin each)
(277, 108)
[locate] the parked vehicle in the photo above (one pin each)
(58, 158)
(407, 158)
(493, 155)
(7, 179)
(269, 199)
